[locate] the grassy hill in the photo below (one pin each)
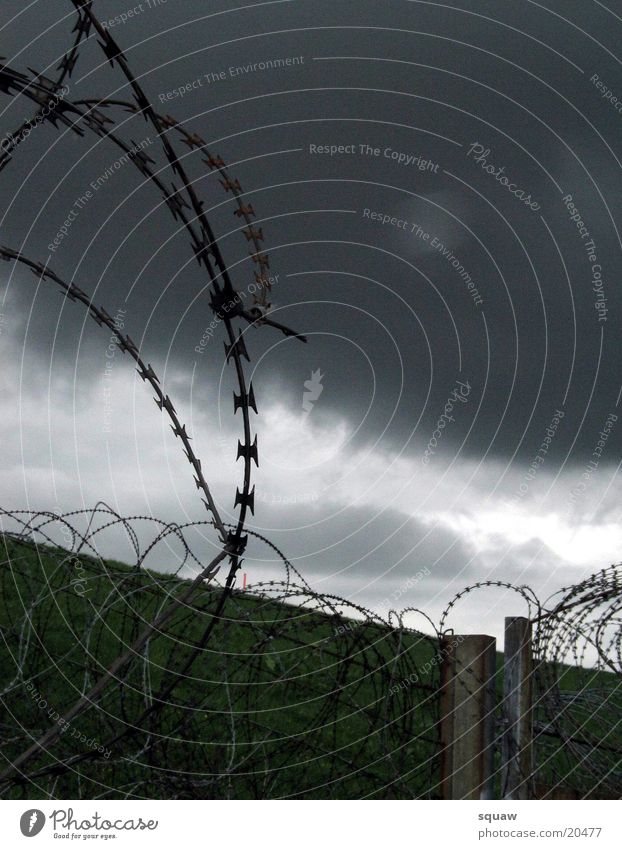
(282, 701)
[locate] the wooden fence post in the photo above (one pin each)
(467, 727)
(517, 743)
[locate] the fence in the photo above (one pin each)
(283, 691)
(190, 688)
(546, 724)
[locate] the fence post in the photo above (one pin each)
(517, 743)
(467, 726)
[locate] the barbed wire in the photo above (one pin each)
(577, 684)
(298, 693)
(191, 688)
(55, 106)
(294, 683)
(225, 301)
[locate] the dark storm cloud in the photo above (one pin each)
(392, 322)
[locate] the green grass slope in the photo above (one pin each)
(281, 701)
(270, 699)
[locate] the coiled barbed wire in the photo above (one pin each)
(225, 302)
(300, 693)
(577, 684)
(151, 710)
(298, 699)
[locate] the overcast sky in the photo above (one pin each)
(475, 131)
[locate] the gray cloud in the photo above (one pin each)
(391, 321)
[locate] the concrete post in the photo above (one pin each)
(467, 727)
(517, 745)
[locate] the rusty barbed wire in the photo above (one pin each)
(225, 303)
(292, 667)
(47, 93)
(577, 684)
(346, 724)
(289, 668)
